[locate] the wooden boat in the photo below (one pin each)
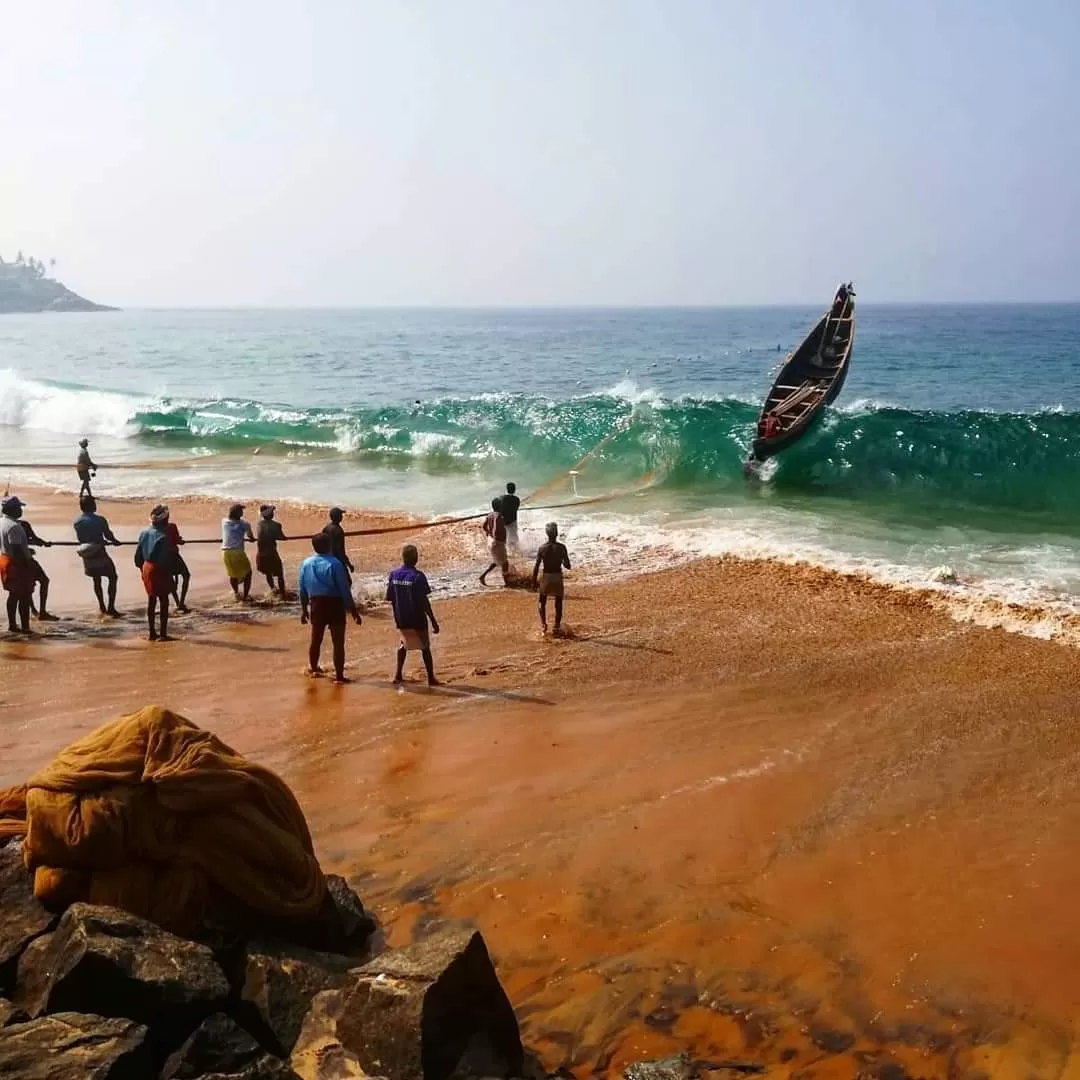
(811, 378)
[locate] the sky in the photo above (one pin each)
(184, 153)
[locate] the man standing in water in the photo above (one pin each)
(267, 558)
(16, 573)
(509, 505)
(336, 535)
(409, 594)
(93, 533)
(326, 598)
(85, 468)
(552, 558)
(235, 531)
(495, 530)
(154, 558)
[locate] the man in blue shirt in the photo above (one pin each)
(325, 599)
(408, 592)
(93, 533)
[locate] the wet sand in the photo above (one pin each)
(768, 814)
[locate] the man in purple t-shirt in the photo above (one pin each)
(408, 592)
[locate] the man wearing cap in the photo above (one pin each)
(267, 558)
(336, 534)
(16, 573)
(85, 467)
(153, 557)
(93, 533)
(234, 532)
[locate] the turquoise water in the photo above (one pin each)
(956, 440)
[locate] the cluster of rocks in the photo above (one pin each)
(98, 994)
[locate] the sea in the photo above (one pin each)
(955, 445)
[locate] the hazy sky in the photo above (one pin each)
(342, 152)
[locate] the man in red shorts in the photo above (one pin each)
(325, 599)
(154, 557)
(16, 571)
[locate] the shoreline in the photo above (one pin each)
(747, 809)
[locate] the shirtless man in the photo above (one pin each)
(38, 571)
(552, 558)
(495, 530)
(85, 468)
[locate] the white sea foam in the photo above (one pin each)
(39, 406)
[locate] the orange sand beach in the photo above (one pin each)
(768, 814)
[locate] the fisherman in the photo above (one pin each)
(409, 594)
(771, 425)
(336, 534)
(154, 558)
(93, 533)
(552, 558)
(325, 599)
(16, 574)
(267, 559)
(179, 568)
(840, 302)
(495, 530)
(509, 505)
(85, 467)
(38, 573)
(234, 532)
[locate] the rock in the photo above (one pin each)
(357, 924)
(22, 918)
(278, 988)
(266, 1067)
(677, 1067)
(944, 575)
(318, 1054)
(421, 1012)
(75, 1046)
(9, 1014)
(217, 1044)
(120, 965)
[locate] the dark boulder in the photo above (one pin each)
(9, 1014)
(266, 1067)
(279, 985)
(120, 965)
(22, 918)
(422, 1012)
(218, 1044)
(357, 924)
(75, 1046)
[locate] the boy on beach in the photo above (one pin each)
(235, 531)
(93, 533)
(509, 505)
(267, 558)
(495, 530)
(15, 570)
(408, 592)
(552, 557)
(154, 559)
(38, 572)
(180, 571)
(325, 599)
(85, 468)
(336, 534)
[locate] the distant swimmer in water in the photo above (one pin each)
(268, 559)
(85, 467)
(409, 594)
(93, 533)
(235, 532)
(154, 560)
(552, 559)
(495, 530)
